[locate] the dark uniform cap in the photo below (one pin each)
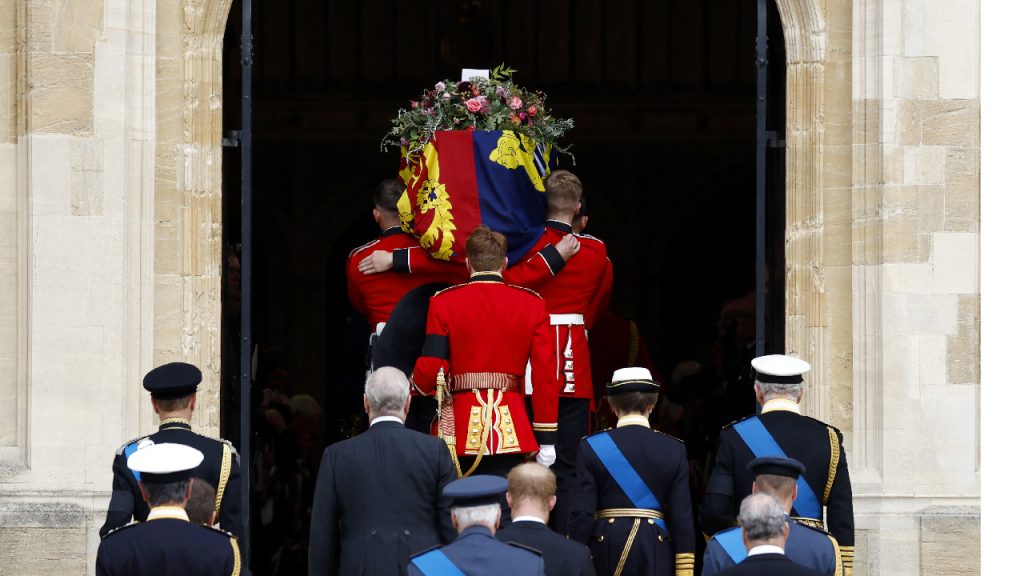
(777, 465)
(631, 380)
(476, 490)
(164, 463)
(174, 380)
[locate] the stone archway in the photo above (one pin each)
(818, 233)
(187, 208)
(818, 179)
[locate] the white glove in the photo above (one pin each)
(546, 456)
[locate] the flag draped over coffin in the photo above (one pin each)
(464, 178)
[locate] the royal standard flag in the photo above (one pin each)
(464, 178)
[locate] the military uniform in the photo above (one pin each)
(166, 543)
(476, 552)
(219, 466)
(818, 446)
(481, 335)
(574, 297)
(375, 295)
(633, 507)
(562, 557)
(810, 547)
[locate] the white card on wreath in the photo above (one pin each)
(468, 73)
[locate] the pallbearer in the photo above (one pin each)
(633, 509)
(480, 336)
(781, 430)
(575, 294)
(167, 543)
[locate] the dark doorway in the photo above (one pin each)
(662, 93)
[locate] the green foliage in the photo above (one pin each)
(484, 104)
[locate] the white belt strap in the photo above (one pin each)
(566, 319)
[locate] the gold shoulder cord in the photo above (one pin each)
(236, 570)
(839, 557)
(485, 434)
(833, 464)
(225, 471)
(627, 547)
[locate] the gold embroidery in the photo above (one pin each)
(485, 432)
(833, 464)
(509, 439)
(473, 433)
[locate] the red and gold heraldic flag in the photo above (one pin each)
(464, 178)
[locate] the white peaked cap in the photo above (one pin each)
(780, 365)
(630, 374)
(166, 458)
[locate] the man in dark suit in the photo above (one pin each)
(633, 507)
(173, 391)
(764, 534)
(166, 543)
(531, 495)
(476, 514)
(781, 430)
(379, 495)
(811, 547)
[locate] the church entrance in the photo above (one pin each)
(663, 95)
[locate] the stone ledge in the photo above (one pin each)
(42, 515)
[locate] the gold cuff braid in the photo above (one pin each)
(684, 564)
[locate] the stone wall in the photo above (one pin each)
(915, 191)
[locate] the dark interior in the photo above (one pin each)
(663, 95)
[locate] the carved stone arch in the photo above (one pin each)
(818, 217)
(187, 207)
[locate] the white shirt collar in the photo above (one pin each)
(780, 405)
(386, 419)
(528, 519)
(633, 420)
(765, 549)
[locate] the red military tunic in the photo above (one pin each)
(582, 286)
(375, 295)
(485, 331)
(573, 290)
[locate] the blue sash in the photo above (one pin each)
(761, 443)
(624, 474)
(435, 563)
(732, 542)
(128, 451)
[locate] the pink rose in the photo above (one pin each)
(439, 86)
(523, 116)
(474, 105)
(532, 110)
(515, 103)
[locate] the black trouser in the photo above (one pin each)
(573, 425)
(497, 465)
(422, 410)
